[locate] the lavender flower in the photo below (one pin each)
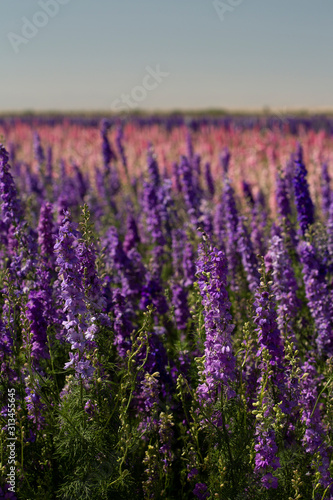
(10, 203)
(225, 160)
(152, 212)
(38, 150)
(46, 233)
(326, 193)
(189, 267)
(179, 301)
(107, 152)
(209, 179)
(304, 205)
(219, 364)
(201, 491)
(123, 325)
(317, 294)
(120, 146)
(314, 436)
(153, 170)
(132, 234)
(38, 324)
(248, 257)
(78, 332)
(190, 193)
(284, 286)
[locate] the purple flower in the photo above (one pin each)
(326, 193)
(314, 436)
(132, 235)
(249, 260)
(179, 301)
(225, 159)
(10, 203)
(269, 481)
(247, 191)
(317, 294)
(36, 314)
(219, 364)
(107, 152)
(152, 212)
(209, 180)
(201, 491)
(153, 170)
(284, 286)
(46, 233)
(191, 195)
(38, 149)
(269, 336)
(120, 146)
(304, 205)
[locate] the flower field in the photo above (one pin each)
(166, 327)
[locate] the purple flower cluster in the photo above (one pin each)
(284, 287)
(304, 205)
(219, 360)
(317, 294)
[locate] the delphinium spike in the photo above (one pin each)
(304, 205)
(219, 363)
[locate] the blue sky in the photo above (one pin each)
(95, 55)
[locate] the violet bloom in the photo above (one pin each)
(80, 182)
(120, 146)
(189, 144)
(266, 455)
(11, 206)
(149, 396)
(314, 437)
(49, 165)
(152, 293)
(219, 364)
(35, 406)
(38, 150)
(152, 212)
(304, 205)
(284, 286)
(317, 294)
(176, 177)
(329, 229)
(201, 491)
(153, 170)
(269, 337)
(326, 192)
(123, 326)
(249, 260)
(79, 328)
(230, 230)
(178, 238)
(282, 197)
(46, 234)
(36, 315)
(92, 286)
(191, 196)
(179, 302)
(189, 267)
(209, 180)
(225, 160)
(132, 234)
(107, 152)
(247, 191)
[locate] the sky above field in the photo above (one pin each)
(122, 55)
